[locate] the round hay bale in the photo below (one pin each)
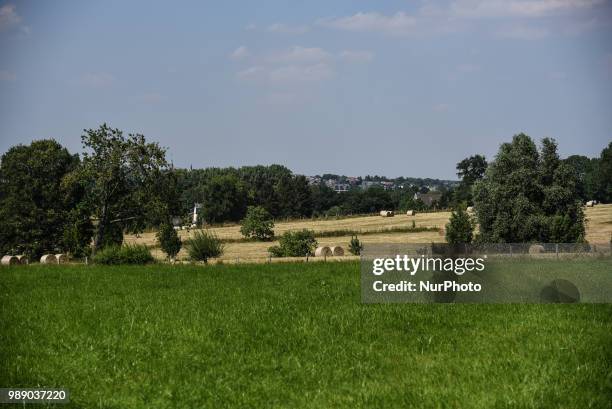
(22, 259)
(536, 249)
(9, 260)
(61, 258)
(410, 213)
(337, 251)
(386, 213)
(48, 259)
(323, 251)
(590, 203)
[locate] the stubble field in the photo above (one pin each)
(598, 227)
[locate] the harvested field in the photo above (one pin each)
(599, 223)
(599, 229)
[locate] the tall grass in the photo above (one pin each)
(126, 254)
(288, 336)
(204, 245)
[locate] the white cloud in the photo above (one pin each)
(7, 76)
(287, 29)
(356, 56)
(301, 73)
(517, 8)
(240, 53)
(298, 54)
(251, 73)
(9, 17)
(439, 17)
(523, 32)
(96, 80)
(250, 27)
(397, 24)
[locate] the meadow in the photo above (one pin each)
(288, 335)
(377, 230)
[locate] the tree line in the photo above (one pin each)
(55, 200)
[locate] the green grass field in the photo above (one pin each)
(288, 335)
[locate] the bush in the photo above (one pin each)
(334, 211)
(295, 244)
(204, 245)
(128, 254)
(276, 251)
(257, 224)
(169, 241)
(460, 229)
(355, 246)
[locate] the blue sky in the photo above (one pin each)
(353, 87)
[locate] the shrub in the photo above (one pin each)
(460, 229)
(204, 245)
(257, 224)
(334, 211)
(128, 254)
(355, 246)
(276, 251)
(169, 241)
(295, 244)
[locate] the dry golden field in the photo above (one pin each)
(599, 223)
(598, 226)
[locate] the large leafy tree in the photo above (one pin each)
(603, 177)
(125, 180)
(528, 195)
(257, 224)
(294, 196)
(584, 169)
(224, 198)
(34, 207)
(470, 170)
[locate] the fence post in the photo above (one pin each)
(557, 250)
(510, 245)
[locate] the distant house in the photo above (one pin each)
(428, 198)
(341, 187)
(313, 180)
(366, 184)
(388, 185)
